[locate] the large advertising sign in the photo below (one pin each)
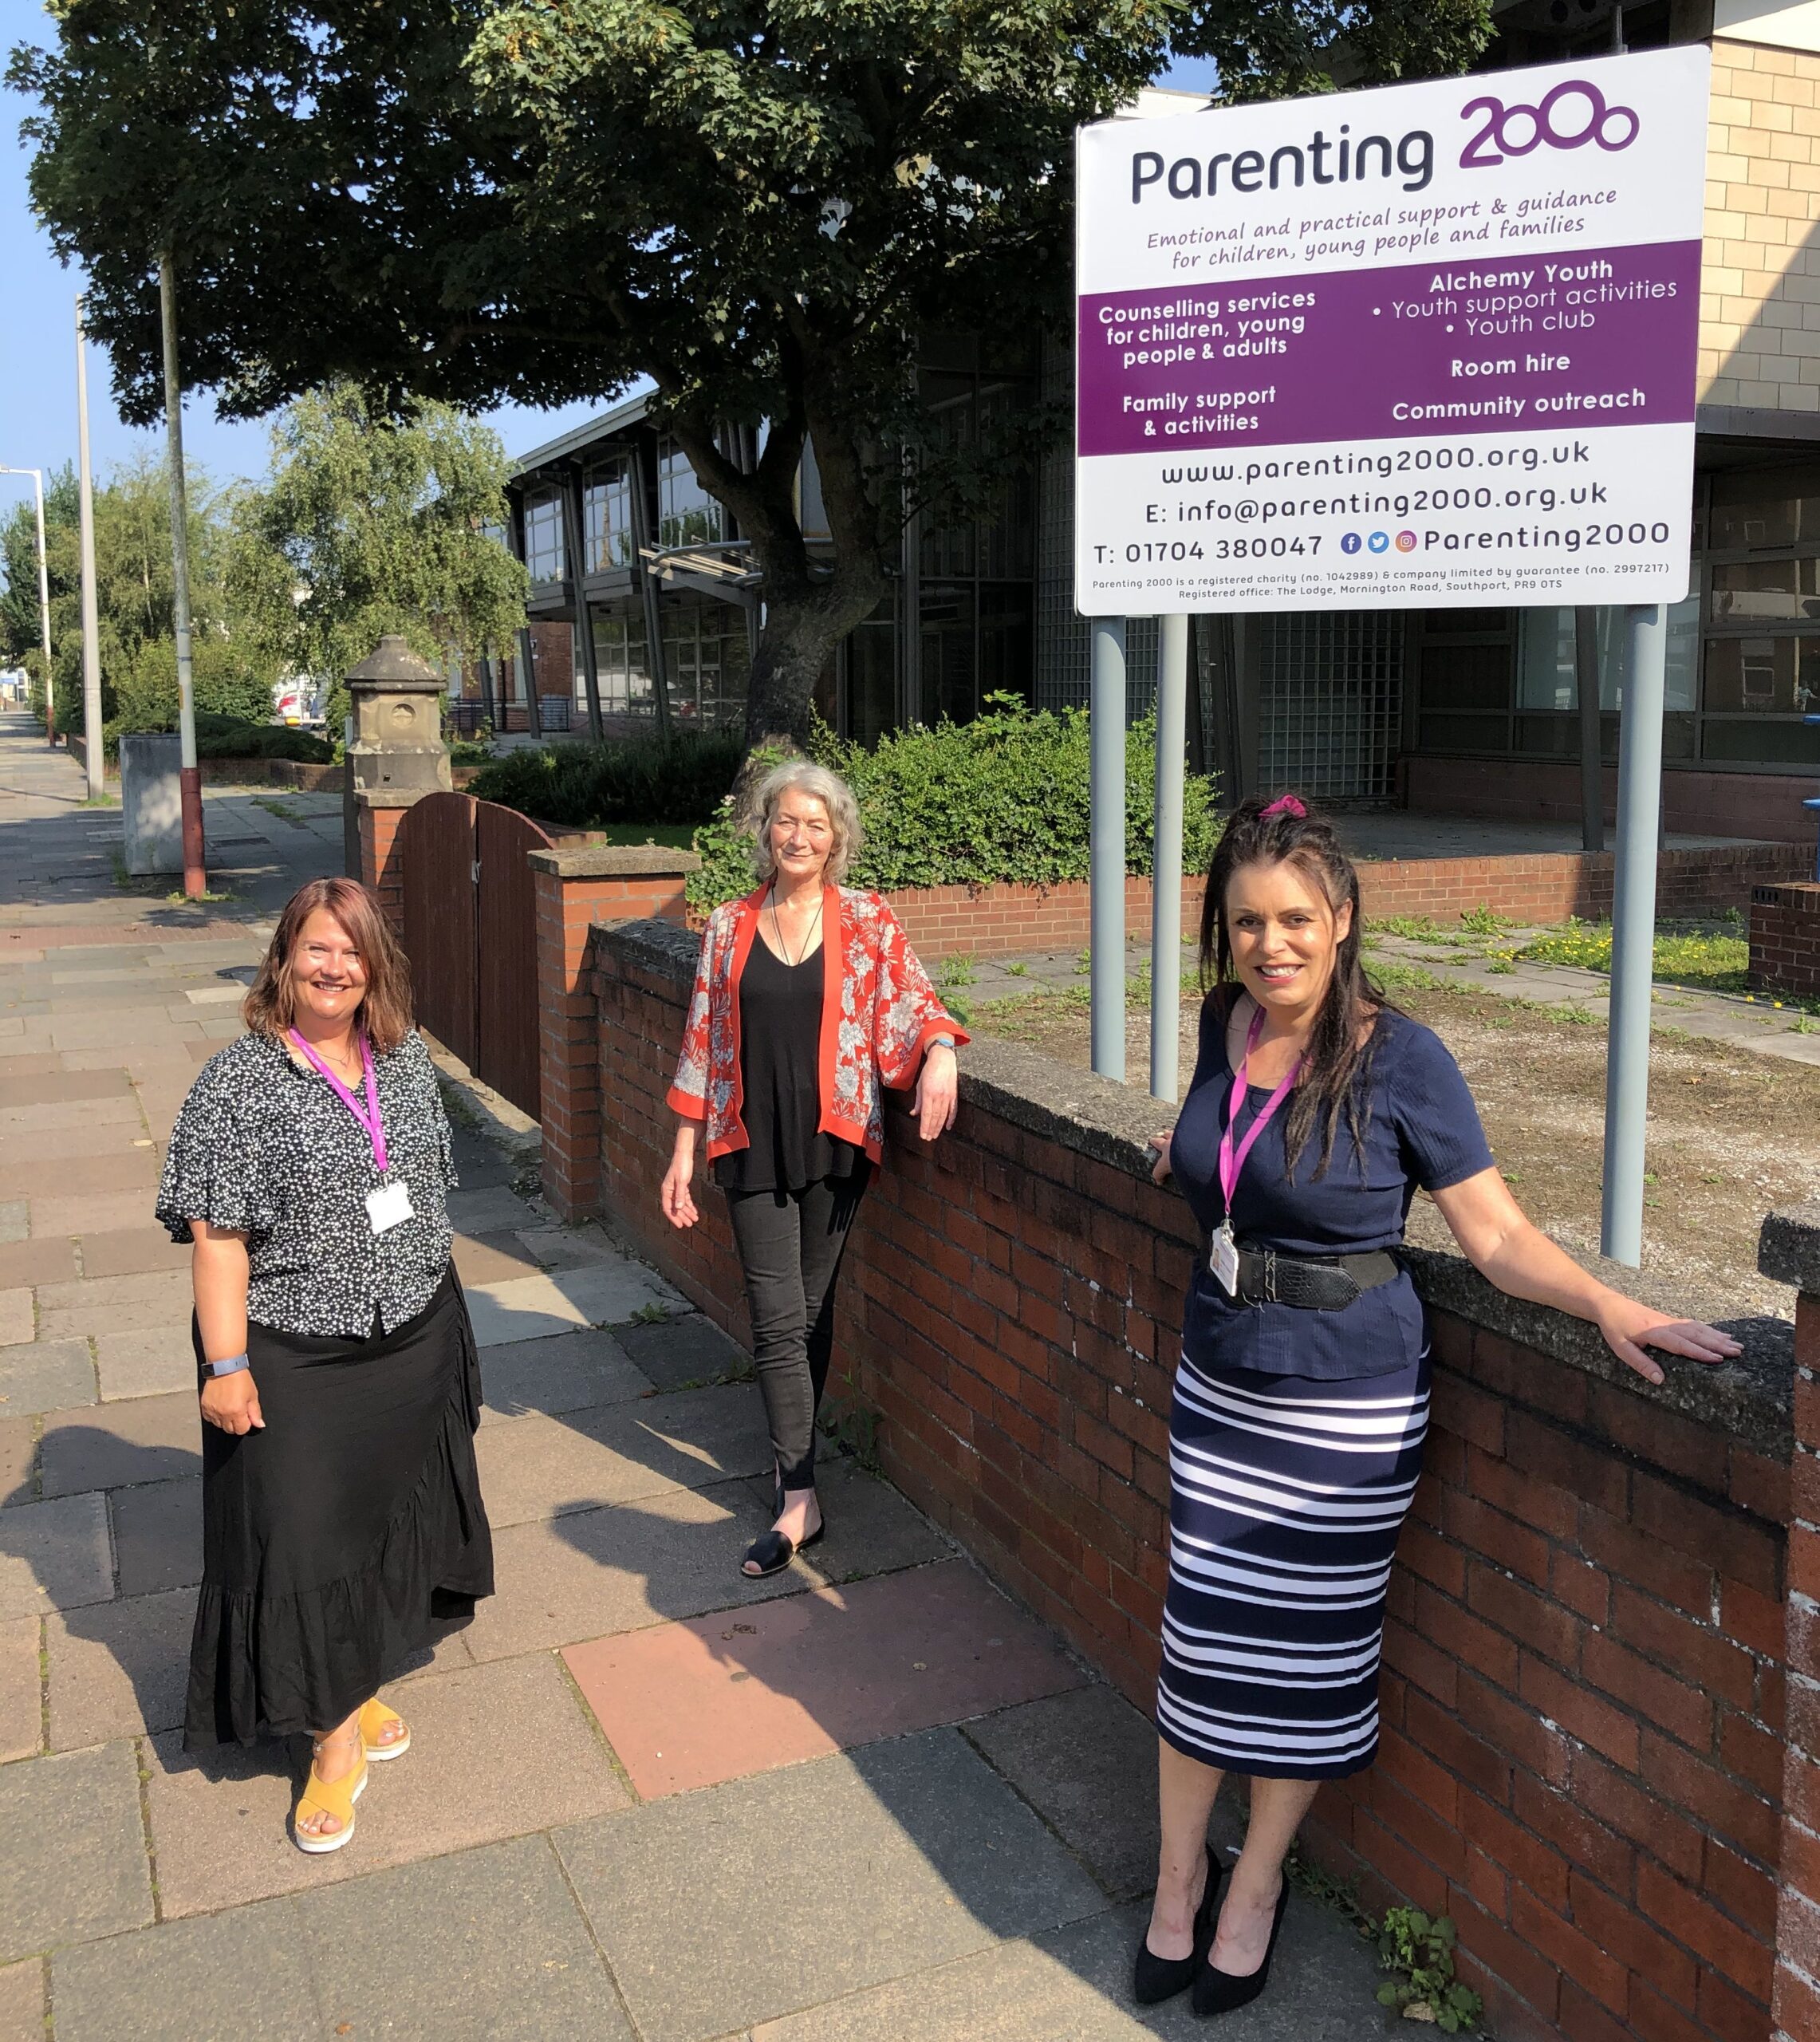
(1431, 344)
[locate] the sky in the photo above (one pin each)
(37, 346)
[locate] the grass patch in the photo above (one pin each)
(1712, 961)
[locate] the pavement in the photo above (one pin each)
(870, 1797)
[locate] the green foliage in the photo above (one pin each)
(375, 522)
(761, 210)
(1421, 1950)
(1719, 963)
(1003, 798)
(1484, 920)
(653, 779)
(230, 737)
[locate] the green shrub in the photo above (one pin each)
(230, 737)
(1002, 799)
(678, 778)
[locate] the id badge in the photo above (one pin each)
(1224, 1260)
(390, 1206)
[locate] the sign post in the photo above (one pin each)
(1429, 345)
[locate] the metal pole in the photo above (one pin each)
(1106, 787)
(1592, 742)
(195, 877)
(1633, 931)
(92, 738)
(487, 692)
(1166, 859)
(37, 476)
(574, 526)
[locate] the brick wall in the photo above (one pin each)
(1759, 346)
(1695, 802)
(1785, 937)
(382, 861)
(1583, 1691)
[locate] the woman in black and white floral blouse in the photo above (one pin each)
(341, 1506)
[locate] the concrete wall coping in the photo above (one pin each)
(1750, 1399)
(615, 861)
(393, 797)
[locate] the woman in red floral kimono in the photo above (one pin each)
(809, 1002)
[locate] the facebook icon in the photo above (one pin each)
(1351, 542)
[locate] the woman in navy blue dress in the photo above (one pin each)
(1302, 1402)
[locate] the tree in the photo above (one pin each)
(757, 204)
(373, 524)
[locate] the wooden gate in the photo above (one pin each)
(471, 932)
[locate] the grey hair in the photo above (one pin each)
(802, 776)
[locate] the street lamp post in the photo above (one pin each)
(37, 476)
(189, 778)
(92, 738)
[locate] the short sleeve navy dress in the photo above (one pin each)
(1296, 1435)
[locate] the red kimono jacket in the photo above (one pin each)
(878, 1013)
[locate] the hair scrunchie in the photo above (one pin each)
(1286, 805)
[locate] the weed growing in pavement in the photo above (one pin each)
(1017, 969)
(951, 975)
(651, 1315)
(1397, 977)
(853, 1425)
(1420, 1948)
(1483, 920)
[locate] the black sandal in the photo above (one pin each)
(772, 1551)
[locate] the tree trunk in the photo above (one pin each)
(803, 629)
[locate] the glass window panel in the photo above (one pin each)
(1761, 742)
(946, 626)
(708, 661)
(626, 688)
(1764, 677)
(1547, 735)
(1746, 589)
(871, 680)
(1007, 639)
(1766, 507)
(1682, 661)
(606, 506)
(1463, 623)
(1545, 663)
(687, 515)
(1466, 677)
(543, 538)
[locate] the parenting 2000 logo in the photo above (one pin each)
(1514, 131)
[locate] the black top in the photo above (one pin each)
(265, 1146)
(780, 1038)
(1422, 1129)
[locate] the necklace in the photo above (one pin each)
(777, 929)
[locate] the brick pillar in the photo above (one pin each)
(1791, 1252)
(382, 857)
(607, 883)
(1785, 937)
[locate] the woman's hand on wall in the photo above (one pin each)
(678, 1200)
(1157, 1148)
(938, 1092)
(1630, 1328)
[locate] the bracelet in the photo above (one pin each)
(231, 1366)
(941, 1042)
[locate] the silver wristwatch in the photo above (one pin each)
(232, 1365)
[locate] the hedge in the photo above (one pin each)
(678, 778)
(1002, 799)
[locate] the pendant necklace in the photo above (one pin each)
(783, 943)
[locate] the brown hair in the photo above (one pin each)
(385, 1011)
(1343, 1042)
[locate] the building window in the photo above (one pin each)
(706, 661)
(620, 654)
(687, 515)
(606, 514)
(1760, 676)
(543, 536)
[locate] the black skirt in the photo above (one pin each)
(333, 1539)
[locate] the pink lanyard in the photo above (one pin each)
(1232, 1161)
(371, 1120)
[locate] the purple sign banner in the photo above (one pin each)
(1601, 336)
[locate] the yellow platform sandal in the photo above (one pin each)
(327, 1797)
(376, 1720)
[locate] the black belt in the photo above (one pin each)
(1316, 1282)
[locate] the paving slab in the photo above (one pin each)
(118, 1669)
(157, 1362)
(62, 1118)
(28, 1262)
(73, 1862)
(540, 1467)
(1087, 1761)
(44, 1375)
(15, 1220)
(509, 1957)
(18, 1461)
(54, 1555)
(18, 1321)
(676, 1554)
(242, 1977)
(112, 1304)
(158, 1535)
(22, 2001)
(869, 1527)
(920, 1854)
(140, 1439)
(468, 1779)
(491, 1209)
(52, 1085)
(567, 1248)
(493, 1259)
(685, 1352)
(604, 1293)
(87, 1177)
(94, 1212)
(21, 1699)
(130, 1251)
(689, 1704)
(569, 1372)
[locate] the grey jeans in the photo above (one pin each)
(790, 1244)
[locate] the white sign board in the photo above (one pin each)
(1427, 344)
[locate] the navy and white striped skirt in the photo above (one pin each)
(1287, 1495)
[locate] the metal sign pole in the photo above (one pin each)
(189, 778)
(1106, 789)
(1166, 863)
(1634, 930)
(37, 476)
(91, 737)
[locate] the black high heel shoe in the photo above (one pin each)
(772, 1551)
(1154, 1978)
(1218, 1992)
